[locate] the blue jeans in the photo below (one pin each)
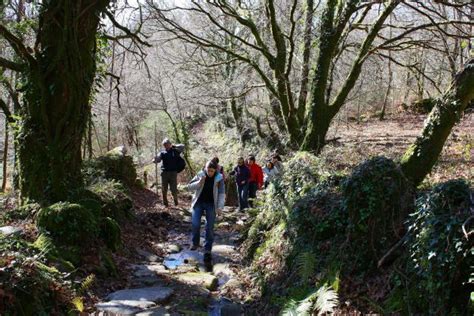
(243, 191)
(198, 210)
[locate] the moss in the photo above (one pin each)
(377, 198)
(108, 266)
(69, 224)
(110, 232)
(114, 165)
(439, 254)
(114, 199)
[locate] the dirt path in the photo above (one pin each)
(161, 276)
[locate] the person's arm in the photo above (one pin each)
(260, 178)
(195, 183)
(158, 158)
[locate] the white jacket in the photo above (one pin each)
(219, 189)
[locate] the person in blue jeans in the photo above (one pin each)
(209, 196)
(242, 175)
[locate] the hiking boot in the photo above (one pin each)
(194, 247)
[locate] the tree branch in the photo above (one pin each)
(128, 33)
(5, 63)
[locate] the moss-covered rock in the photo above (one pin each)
(110, 233)
(440, 252)
(69, 224)
(114, 165)
(378, 199)
(114, 199)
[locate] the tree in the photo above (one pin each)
(349, 32)
(421, 156)
(57, 77)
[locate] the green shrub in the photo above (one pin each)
(29, 286)
(69, 224)
(378, 199)
(440, 253)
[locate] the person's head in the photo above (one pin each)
(241, 161)
(210, 168)
(269, 164)
(276, 158)
(251, 160)
(216, 160)
(167, 143)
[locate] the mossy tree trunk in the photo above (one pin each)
(321, 111)
(421, 156)
(55, 111)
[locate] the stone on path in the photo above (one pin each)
(224, 250)
(203, 279)
(157, 311)
(124, 307)
(10, 230)
(148, 270)
(157, 294)
(225, 307)
(186, 257)
(173, 248)
(147, 255)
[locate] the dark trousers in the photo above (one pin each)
(252, 192)
(169, 178)
(243, 191)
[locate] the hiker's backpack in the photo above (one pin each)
(180, 163)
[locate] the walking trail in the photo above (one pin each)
(161, 276)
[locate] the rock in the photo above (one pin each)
(148, 270)
(157, 294)
(223, 225)
(10, 230)
(224, 250)
(224, 272)
(147, 255)
(157, 311)
(173, 248)
(124, 307)
(206, 280)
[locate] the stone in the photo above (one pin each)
(148, 256)
(203, 279)
(157, 294)
(224, 250)
(157, 311)
(225, 307)
(10, 230)
(173, 248)
(124, 307)
(148, 270)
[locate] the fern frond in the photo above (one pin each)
(327, 300)
(306, 264)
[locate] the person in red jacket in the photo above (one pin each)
(255, 180)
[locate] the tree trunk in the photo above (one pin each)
(421, 156)
(302, 96)
(5, 157)
(56, 101)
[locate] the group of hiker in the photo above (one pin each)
(209, 186)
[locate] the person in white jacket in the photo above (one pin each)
(269, 173)
(209, 196)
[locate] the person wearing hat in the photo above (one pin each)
(169, 157)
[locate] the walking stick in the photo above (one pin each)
(156, 165)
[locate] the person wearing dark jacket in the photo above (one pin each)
(255, 180)
(169, 169)
(242, 175)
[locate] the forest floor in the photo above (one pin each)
(159, 275)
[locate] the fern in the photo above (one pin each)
(322, 301)
(306, 265)
(87, 283)
(78, 304)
